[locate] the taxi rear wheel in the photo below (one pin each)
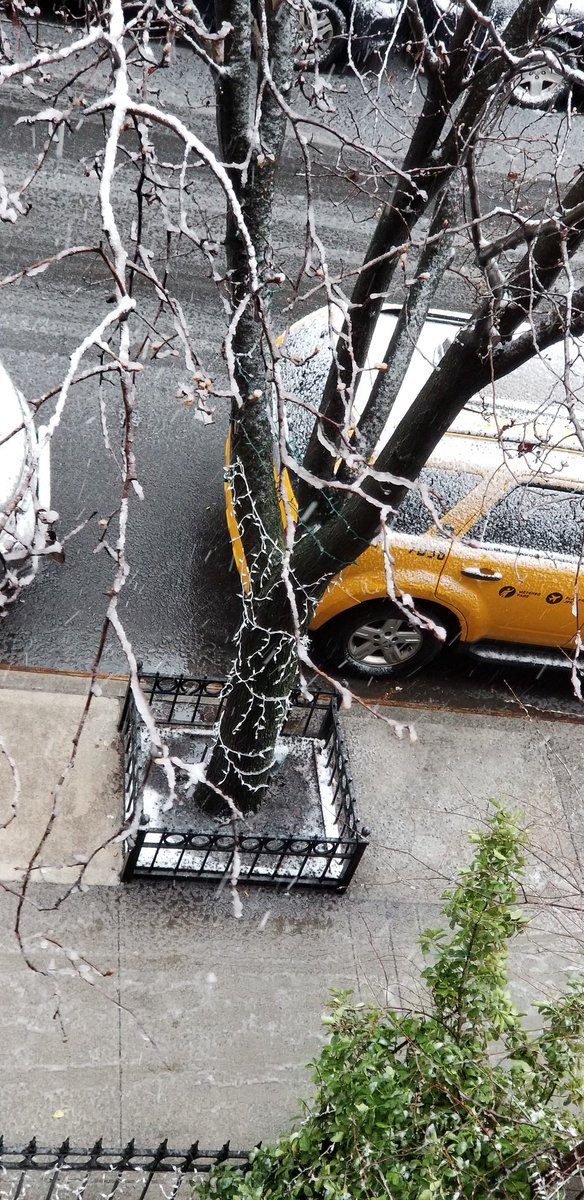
(540, 85)
(377, 640)
(320, 35)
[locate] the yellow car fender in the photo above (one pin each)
(288, 505)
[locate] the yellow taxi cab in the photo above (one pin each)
(488, 543)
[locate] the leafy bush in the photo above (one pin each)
(459, 1101)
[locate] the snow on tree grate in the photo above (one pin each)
(306, 832)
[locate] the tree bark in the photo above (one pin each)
(262, 676)
(436, 256)
(256, 701)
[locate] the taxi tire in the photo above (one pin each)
(330, 51)
(338, 640)
(558, 88)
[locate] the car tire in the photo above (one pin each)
(376, 640)
(331, 28)
(540, 86)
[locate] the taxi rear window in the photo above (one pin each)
(535, 518)
(445, 489)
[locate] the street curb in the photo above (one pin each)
(24, 679)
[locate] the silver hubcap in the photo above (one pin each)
(385, 642)
(309, 40)
(538, 86)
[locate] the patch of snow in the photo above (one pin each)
(307, 758)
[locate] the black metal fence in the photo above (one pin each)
(34, 1172)
(326, 860)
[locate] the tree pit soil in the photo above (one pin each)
(293, 805)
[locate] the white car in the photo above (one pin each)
(26, 520)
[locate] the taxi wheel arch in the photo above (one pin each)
(375, 639)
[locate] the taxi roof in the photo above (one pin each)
(524, 420)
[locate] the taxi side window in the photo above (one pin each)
(535, 518)
(445, 489)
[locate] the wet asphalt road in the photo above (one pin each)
(458, 682)
(180, 606)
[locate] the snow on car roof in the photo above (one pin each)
(530, 402)
(13, 451)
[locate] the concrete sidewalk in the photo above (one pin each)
(147, 1011)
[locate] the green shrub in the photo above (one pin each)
(457, 1101)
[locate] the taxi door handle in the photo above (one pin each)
(479, 573)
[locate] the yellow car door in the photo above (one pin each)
(418, 545)
(515, 574)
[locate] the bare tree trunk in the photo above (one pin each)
(264, 670)
(257, 696)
